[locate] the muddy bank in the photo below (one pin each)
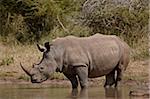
(66, 83)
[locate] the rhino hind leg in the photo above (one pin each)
(110, 79)
(119, 76)
(116, 75)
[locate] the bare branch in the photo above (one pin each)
(61, 24)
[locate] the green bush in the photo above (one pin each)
(30, 20)
(26, 20)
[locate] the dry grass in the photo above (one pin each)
(25, 54)
(138, 71)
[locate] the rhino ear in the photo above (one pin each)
(47, 46)
(42, 49)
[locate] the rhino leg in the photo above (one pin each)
(120, 68)
(82, 73)
(73, 80)
(119, 76)
(110, 79)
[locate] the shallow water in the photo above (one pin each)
(30, 92)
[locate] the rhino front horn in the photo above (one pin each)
(25, 70)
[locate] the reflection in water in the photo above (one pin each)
(109, 93)
(82, 95)
(74, 93)
(28, 92)
(102, 93)
(113, 93)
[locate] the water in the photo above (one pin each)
(30, 92)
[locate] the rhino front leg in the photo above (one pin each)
(82, 73)
(73, 80)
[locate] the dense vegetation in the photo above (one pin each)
(24, 21)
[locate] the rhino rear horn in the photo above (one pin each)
(25, 70)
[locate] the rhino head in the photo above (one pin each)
(41, 71)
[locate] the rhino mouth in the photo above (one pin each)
(38, 81)
(35, 81)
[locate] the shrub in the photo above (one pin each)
(26, 20)
(127, 21)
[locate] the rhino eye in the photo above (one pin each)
(41, 68)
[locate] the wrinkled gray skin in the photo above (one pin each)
(82, 58)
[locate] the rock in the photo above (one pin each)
(140, 93)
